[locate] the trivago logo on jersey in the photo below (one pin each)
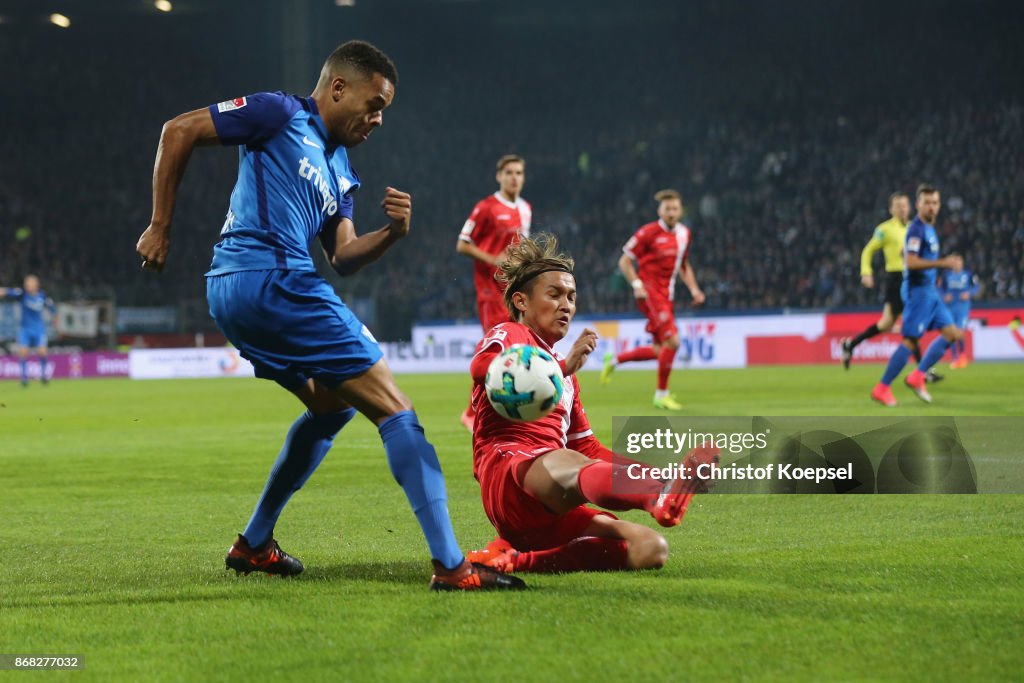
(696, 341)
(316, 178)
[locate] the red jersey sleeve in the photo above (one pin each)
(476, 225)
(500, 338)
(636, 245)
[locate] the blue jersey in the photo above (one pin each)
(957, 283)
(922, 241)
(32, 307)
(292, 183)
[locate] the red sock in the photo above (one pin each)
(587, 554)
(665, 358)
(639, 353)
(610, 486)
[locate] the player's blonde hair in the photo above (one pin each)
(510, 159)
(524, 261)
(662, 195)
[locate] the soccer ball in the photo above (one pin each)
(524, 383)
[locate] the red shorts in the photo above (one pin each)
(518, 517)
(661, 319)
(492, 312)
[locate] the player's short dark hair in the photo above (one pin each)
(896, 195)
(363, 57)
(662, 195)
(510, 159)
(524, 261)
(925, 188)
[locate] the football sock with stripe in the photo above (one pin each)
(308, 441)
(414, 464)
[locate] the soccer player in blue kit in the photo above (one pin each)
(924, 309)
(958, 288)
(294, 184)
(32, 326)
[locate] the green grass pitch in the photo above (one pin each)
(120, 499)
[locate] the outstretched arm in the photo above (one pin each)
(348, 253)
(178, 138)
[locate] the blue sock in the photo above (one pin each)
(897, 361)
(307, 443)
(43, 361)
(962, 345)
(415, 467)
(24, 370)
(956, 350)
(936, 350)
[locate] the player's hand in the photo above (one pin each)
(153, 246)
(581, 350)
(398, 207)
(948, 298)
(638, 289)
(867, 281)
(965, 296)
(698, 297)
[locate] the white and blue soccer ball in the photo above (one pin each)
(524, 383)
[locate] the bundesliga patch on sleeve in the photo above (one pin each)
(914, 245)
(231, 105)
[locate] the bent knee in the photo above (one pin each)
(648, 552)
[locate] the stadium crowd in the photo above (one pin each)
(783, 179)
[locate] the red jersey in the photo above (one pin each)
(660, 251)
(566, 423)
(494, 224)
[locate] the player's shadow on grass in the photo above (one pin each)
(407, 572)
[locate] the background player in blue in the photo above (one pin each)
(924, 309)
(32, 325)
(295, 183)
(958, 288)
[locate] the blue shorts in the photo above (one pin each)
(291, 326)
(961, 312)
(31, 339)
(924, 310)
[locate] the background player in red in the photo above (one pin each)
(661, 250)
(497, 222)
(537, 477)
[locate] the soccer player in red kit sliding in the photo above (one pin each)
(497, 222)
(661, 250)
(536, 478)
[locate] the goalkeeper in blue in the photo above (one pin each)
(34, 305)
(296, 184)
(924, 309)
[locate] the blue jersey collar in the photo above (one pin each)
(318, 124)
